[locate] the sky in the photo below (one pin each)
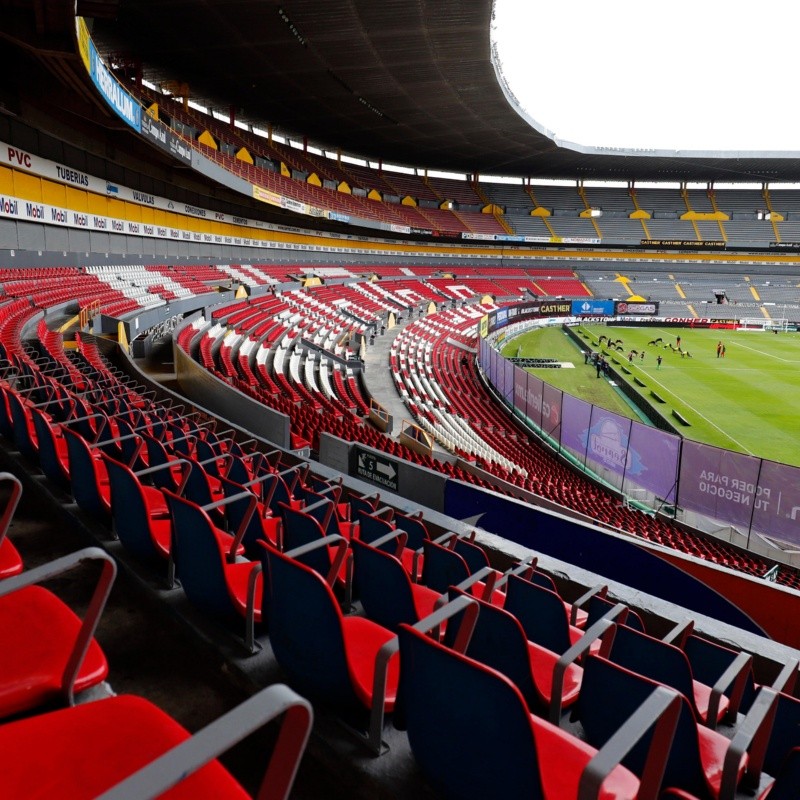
(699, 75)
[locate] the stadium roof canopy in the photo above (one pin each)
(404, 82)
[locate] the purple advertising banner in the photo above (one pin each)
(653, 460)
(533, 399)
(576, 415)
(520, 389)
(500, 373)
(508, 383)
(776, 511)
(715, 482)
(494, 358)
(607, 444)
(551, 411)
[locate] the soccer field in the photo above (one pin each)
(748, 400)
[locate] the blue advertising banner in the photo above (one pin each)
(592, 308)
(113, 92)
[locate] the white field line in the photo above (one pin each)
(766, 355)
(702, 416)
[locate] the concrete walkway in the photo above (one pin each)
(378, 377)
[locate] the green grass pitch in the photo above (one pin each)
(748, 401)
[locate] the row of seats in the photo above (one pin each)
(293, 597)
(99, 743)
(425, 348)
(508, 454)
(563, 488)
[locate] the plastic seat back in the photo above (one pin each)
(609, 694)
(22, 425)
(657, 660)
(157, 456)
(414, 527)
(359, 504)
(371, 528)
(493, 755)
(198, 559)
(785, 734)
(301, 529)
(499, 642)
(442, 567)
(84, 481)
(323, 509)
(305, 632)
(474, 555)
(197, 486)
(382, 585)
(235, 512)
(541, 613)
(49, 459)
(129, 512)
(6, 423)
(787, 778)
(599, 606)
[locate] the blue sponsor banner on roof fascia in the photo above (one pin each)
(125, 105)
(594, 308)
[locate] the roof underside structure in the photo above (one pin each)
(400, 81)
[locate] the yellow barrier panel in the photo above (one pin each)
(243, 154)
(69, 323)
(415, 438)
(378, 416)
(207, 139)
(705, 215)
(88, 313)
(122, 337)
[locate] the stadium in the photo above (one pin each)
(325, 448)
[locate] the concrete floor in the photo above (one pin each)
(378, 377)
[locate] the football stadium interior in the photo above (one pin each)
(297, 402)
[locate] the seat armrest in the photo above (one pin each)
(752, 735)
(735, 677)
(95, 608)
(432, 622)
(785, 681)
(217, 737)
(678, 634)
(400, 535)
(661, 710)
(488, 575)
(524, 569)
(601, 590)
(597, 631)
